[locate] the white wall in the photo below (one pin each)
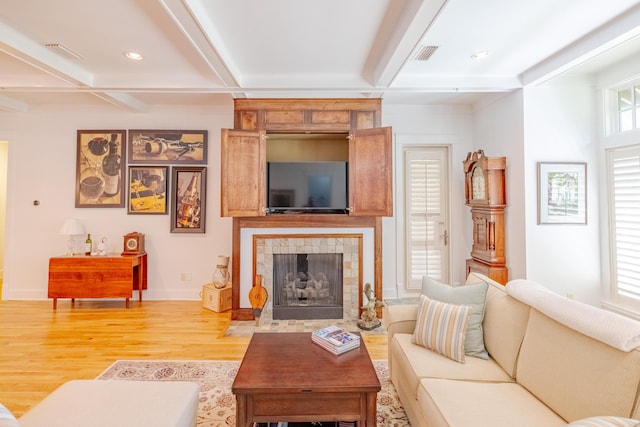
(498, 130)
(560, 126)
(4, 153)
(42, 167)
(430, 125)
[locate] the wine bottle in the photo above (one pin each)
(111, 168)
(88, 245)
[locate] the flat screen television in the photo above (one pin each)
(307, 187)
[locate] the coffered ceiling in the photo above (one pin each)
(206, 52)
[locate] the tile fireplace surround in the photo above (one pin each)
(349, 245)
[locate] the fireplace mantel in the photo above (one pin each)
(300, 221)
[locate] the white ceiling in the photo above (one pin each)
(205, 52)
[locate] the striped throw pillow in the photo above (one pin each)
(441, 327)
(605, 421)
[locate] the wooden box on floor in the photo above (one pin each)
(217, 300)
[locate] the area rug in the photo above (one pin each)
(246, 328)
(217, 407)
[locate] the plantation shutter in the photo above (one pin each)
(624, 184)
(425, 225)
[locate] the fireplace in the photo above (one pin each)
(307, 286)
(310, 276)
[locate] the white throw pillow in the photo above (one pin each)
(441, 327)
(605, 421)
(6, 418)
(474, 295)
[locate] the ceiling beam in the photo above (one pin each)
(36, 55)
(401, 39)
(604, 38)
(12, 105)
(191, 17)
(122, 100)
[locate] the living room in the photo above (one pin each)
(555, 114)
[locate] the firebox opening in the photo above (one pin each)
(307, 286)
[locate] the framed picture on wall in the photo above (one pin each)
(188, 199)
(100, 168)
(562, 193)
(148, 190)
(167, 147)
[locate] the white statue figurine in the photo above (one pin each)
(102, 247)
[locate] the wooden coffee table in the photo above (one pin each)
(286, 377)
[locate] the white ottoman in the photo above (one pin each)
(114, 403)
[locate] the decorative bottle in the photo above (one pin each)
(87, 245)
(189, 206)
(111, 168)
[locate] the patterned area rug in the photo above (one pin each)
(246, 328)
(217, 407)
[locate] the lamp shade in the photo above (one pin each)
(72, 227)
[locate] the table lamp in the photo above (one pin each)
(71, 227)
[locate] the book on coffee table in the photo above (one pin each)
(335, 339)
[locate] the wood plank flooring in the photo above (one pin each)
(42, 348)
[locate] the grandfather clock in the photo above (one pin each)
(486, 195)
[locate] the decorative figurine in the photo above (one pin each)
(369, 318)
(102, 247)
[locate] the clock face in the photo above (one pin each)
(132, 244)
(478, 184)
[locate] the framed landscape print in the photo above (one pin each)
(100, 168)
(188, 199)
(562, 193)
(147, 189)
(167, 146)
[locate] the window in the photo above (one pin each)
(629, 108)
(426, 234)
(624, 213)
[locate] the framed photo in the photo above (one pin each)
(100, 169)
(167, 146)
(148, 190)
(562, 193)
(188, 195)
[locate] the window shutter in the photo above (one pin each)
(424, 176)
(624, 181)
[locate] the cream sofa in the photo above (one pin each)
(540, 372)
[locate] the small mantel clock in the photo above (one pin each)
(485, 193)
(133, 244)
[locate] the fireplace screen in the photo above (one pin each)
(307, 286)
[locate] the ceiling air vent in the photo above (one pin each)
(62, 50)
(425, 53)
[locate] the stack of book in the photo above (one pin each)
(335, 339)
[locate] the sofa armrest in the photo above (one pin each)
(399, 318)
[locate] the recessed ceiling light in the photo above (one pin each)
(133, 55)
(480, 55)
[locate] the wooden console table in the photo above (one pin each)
(111, 276)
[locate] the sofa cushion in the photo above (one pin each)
(605, 422)
(610, 328)
(472, 295)
(441, 327)
(505, 323)
(410, 363)
(465, 403)
(575, 375)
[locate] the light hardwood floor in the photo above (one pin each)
(42, 348)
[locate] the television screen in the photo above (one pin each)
(307, 187)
